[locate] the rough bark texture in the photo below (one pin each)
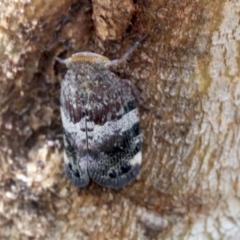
(187, 71)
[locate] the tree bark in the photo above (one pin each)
(187, 71)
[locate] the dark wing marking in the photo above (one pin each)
(75, 164)
(113, 166)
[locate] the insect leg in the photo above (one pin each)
(125, 57)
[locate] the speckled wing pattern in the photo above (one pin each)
(102, 136)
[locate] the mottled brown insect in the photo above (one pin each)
(102, 136)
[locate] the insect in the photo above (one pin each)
(101, 131)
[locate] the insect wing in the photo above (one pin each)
(74, 134)
(116, 139)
